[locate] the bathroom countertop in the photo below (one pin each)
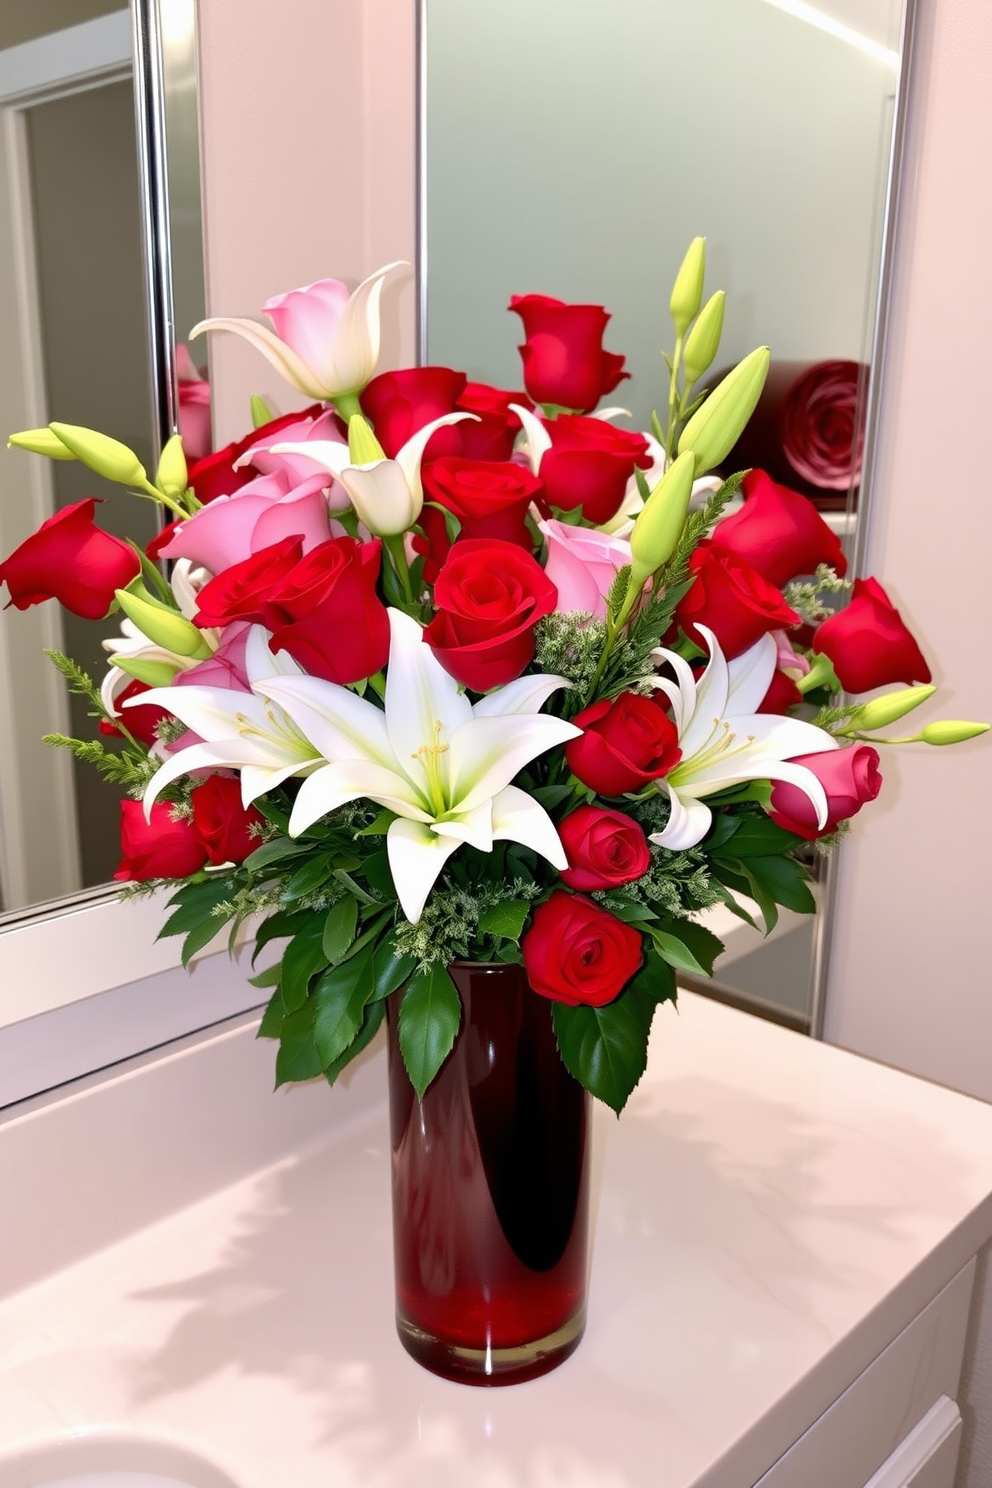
(770, 1212)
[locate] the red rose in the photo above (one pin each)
(140, 722)
(489, 596)
(70, 559)
(782, 694)
(868, 644)
(779, 532)
(160, 848)
(326, 613)
(577, 953)
(625, 743)
(850, 778)
(490, 499)
(491, 434)
(242, 591)
(589, 464)
(215, 474)
(604, 849)
(400, 403)
(563, 356)
(731, 597)
(222, 823)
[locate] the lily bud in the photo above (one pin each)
(363, 447)
(715, 428)
(382, 497)
(703, 341)
(163, 626)
(41, 442)
(152, 673)
(951, 731)
(171, 476)
(881, 711)
(261, 413)
(687, 291)
(106, 456)
(659, 525)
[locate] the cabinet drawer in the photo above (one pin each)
(865, 1425)
(929, 1455)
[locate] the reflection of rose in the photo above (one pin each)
(822, 435)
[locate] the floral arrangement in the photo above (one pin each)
(444, 671)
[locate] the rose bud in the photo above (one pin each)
(161, 847)
(577, 953)
(850, 777)
(604, 849)
(72, 560)
(564, 361)
(868, 644)
(625, 743)
(222, 822)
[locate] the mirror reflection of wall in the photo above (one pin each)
(574, 150)
(75, 241)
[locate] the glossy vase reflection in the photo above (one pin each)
(491, 1190)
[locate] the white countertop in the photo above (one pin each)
(770, 1211)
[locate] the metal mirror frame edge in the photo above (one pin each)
(823, 922)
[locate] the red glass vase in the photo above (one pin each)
(491, 1190)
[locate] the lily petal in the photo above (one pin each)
(688, 824)
(526, 694)
(750, 676)
(356, 342)
(474, 827)
(537, 440)
(282, 357)
(424, 706)
(349, 780)
(486, 753)
(416, 857)
(341, 725)
(517, 817)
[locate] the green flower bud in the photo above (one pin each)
(659, 525)
(881, 711)
(261, 413)
(951, 731)
(171, 476)
(152, 673)
(106, 456)
(687, 291)
(703, 341)
(715, 428)
(363, 447)
(41, 442)
(163, 627)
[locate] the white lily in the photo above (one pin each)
(326, 340)
(443, 766)
(238, 730)
(725, 742)
(388, 495)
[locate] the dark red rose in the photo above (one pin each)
(491, 434)
(215, 474)
(577, 953)
(72, 560)
(604, 849)
(779, 532)
(625, 743)
(242, 592)
(821, 425)
(159, 848)
(849, 776)
(141, 721)
(563, 356)
(400, 403)
(326, 613)
(868, 644)
(731, 597)
(588, 466)
(782, 694)
(490, 499)
(489, 596)
(222, 823)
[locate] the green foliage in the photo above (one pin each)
(430, 1013)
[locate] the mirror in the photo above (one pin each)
(573, 150)
(103, 239)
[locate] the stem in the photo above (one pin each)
(397, 555)
(347, 405)
(152, 493)
(673, 402)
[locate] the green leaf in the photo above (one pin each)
(631, 911)
(267, 978)
(277, 851)
(372, 1017)
(550, 796)
(654, 983)
(353, 887)
(302, 958)
(505, 919)
(339, 996)
(339, 929)
(389, 971)
(757, 837)
(764, 900)
(643, 488)
(605, 1048)
(273, 1018)
(201, 936)
(297, 1058)
(701, 943)
(313, 875)
(727, 898)
(675, 951)
(378, 876)
(784, 879)
(380, 826)
(430, 1013)
(195, 904)
(277, 925)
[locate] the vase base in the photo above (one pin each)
(491, 1366)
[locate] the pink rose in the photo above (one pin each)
(326, 428)
(582, 564)
(849, 776)
(194, 406)
(263, 512)
(227, 667)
